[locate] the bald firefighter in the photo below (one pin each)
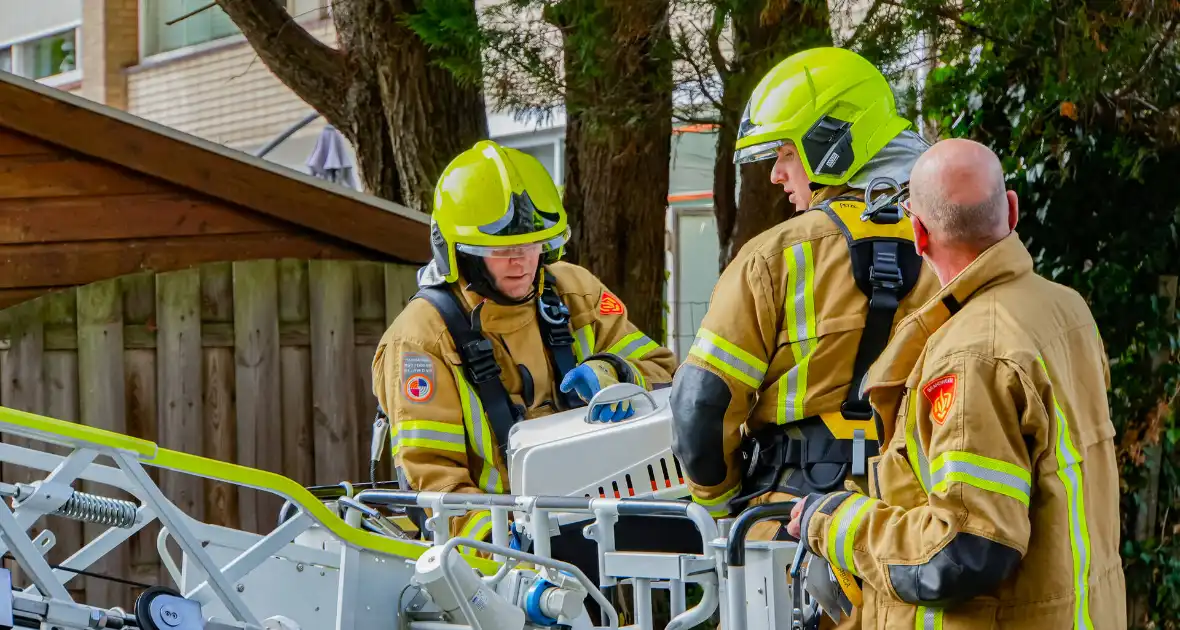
(767, 404)
(995, 503)
(500, 331)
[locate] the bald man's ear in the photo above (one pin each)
(1013, 210)
(921, 236)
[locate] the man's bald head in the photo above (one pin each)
(957, 191)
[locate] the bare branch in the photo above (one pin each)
(1150, 61)
(714, 40)
(692, 120)
(313, 70)
(700, 75)
(190, 14)
(955, 18)
(868, 19)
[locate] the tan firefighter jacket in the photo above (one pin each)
(995, 501)
(440, 435)
(777, 345)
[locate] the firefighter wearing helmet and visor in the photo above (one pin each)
(767, 406)
(501, 331)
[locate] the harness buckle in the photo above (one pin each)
(553, 310)
(480, 360)
(885, 277)
(866, 413)
(884, 272)
(558, 336)
(556, 315)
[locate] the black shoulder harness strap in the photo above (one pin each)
(479, 361)
(554, 318)
(886, 268)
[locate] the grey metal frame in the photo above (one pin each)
(364, 577)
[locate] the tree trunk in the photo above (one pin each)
(405, 116)
(618, 146)
(759, 204)
(725, 207)
(764, 33)
(368, 128)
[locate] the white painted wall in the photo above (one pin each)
(23, 19)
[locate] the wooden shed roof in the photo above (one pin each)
(114, 136)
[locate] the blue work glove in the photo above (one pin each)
(516, 539)
(587, 380)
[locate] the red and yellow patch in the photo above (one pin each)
(941, 394)
(609, 304)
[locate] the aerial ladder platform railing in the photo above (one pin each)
(341, 560)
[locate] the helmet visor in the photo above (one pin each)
(758, 152)
(515, 251)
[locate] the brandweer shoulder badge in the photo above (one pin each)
(609, 304)
(941, 394)
(417, 377)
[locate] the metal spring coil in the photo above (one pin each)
(91, 508)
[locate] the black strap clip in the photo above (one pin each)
(480, 360)
(556, 317)
(856, 411)
(885, 277)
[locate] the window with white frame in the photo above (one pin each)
(175, 24)
(548, 147)
(197, 28)
(42, 57)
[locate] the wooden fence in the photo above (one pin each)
(263, 363)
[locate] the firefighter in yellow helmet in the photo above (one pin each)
(500, 331)
(767, 404)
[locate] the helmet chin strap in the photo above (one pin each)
(480, 280)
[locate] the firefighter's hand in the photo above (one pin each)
(587, 380)
(796, 517)
(801, 513)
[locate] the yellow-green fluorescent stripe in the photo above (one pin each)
(442, 436)
(928, 618)
(584, 342)
(634, 346)
(717, 506)
(727, 357)
(1069, 470)
(982, 472)
(800, 326)
(913, 444)
(640, 380)
(800, 302)
(477, 527)
(842, 531)
(479, 433)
